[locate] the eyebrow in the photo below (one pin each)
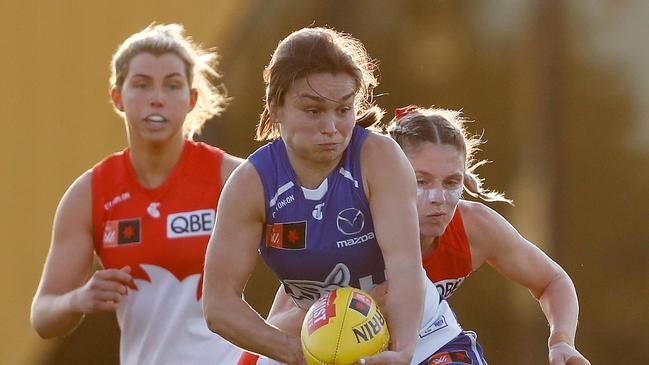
(455, 175)
(426, 174)
(319, 98)
(173, 74)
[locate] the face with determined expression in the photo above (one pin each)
(317, 117)
(440, 173)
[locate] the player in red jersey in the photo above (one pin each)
(457, 236)
(146, 212)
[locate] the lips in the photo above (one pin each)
(436, 214)
(328, 146)
(155, 118)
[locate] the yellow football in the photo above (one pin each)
(343, 326)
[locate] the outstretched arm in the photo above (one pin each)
(495, 241)
(229, 262)
(65, 294)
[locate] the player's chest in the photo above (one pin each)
(140, 218)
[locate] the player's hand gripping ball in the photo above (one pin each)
(343, 326)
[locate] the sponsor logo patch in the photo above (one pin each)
(451, 357)
(350, 221)
(317, 211)
(288, 236)
(355, 240)
(360, 303)
(116, 200)
(153, 211)
(324, 309)
(433, 327)
(121, 232)
(447, 287)
(189, 224)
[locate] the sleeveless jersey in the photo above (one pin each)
(318, 240)
(162, 235)
(450, 263)
(304, 226)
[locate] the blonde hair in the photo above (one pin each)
(413, 125)
(314, 50)
(200, 67)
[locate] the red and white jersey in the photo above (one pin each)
(450, 263)
(162, 235)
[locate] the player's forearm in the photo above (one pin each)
(403, 308)
(54, 315)
(234, 320)
(289, 321)
(561, 308)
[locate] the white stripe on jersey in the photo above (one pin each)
(282, 189)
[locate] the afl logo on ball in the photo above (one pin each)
(350, 221)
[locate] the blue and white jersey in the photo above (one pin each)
(321, 239)
(316, 240)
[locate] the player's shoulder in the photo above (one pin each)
(245, 175)
(381, 151)
(113, 161)
(79, 193)
(211, 154)
(228, 165)
(481, 222)
(83, 182)
(244, 190)
(474, 210)
(378, 142)
(477, 213)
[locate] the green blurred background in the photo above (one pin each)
(560, 89)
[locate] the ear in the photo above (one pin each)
(193, 98)
(116, 97)
(273, 111)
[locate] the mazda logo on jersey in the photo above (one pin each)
(350, 221)
(289, 236)
(121, 232)
(189, 224)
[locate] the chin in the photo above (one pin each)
(431, 230)
(326, 157)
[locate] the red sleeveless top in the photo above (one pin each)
(168, 226)
(162, 234)
(450, 263)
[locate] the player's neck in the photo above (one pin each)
(428, 244)
(310, 174)
(154, 163)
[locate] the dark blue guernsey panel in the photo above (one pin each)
(321, 239)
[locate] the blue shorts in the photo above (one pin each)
(463, 349)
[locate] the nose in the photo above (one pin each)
(156, 99)
(328, 125)
(431, 196)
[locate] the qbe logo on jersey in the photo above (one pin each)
(189, 224)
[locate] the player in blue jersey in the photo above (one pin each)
(320, 206)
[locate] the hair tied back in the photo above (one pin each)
(403, 111)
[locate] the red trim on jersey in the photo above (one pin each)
(451, 259)
(248, 359)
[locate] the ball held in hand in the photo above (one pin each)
(343, 326)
